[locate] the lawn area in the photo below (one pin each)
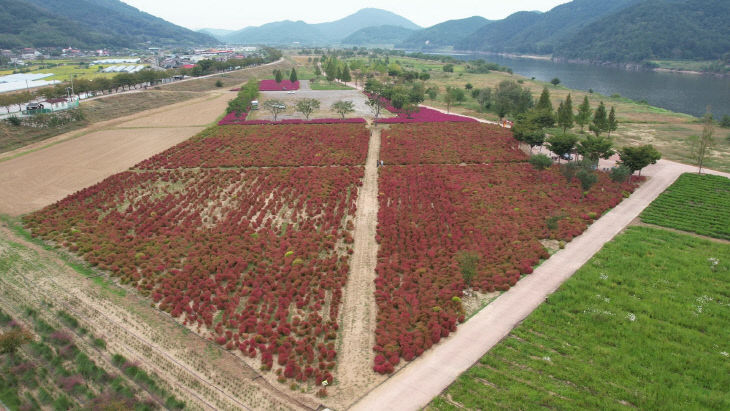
(694, 203)
(327, 85)
(654, 336)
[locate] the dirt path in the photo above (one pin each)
(354, 372)
(415, 385)
(30, 180)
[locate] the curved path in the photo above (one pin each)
(415, 385)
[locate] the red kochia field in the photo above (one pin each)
(256, 256)
(268, 145)
(431, 214)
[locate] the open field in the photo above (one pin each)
(695, 203)
(41, 176)
(653, 337)
(229, 79)
(95, 111)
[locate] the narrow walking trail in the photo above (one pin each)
(415, 385)
(354, 372)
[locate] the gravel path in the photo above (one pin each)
(354, 372)
(414, 386)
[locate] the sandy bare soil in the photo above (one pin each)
(198, 114)
(354, 371)
(413, 386)
(43, 177)
(39, 178)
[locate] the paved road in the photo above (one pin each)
(415, 385)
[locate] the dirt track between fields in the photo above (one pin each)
(68, 163)
(359, 312)
(413, 387)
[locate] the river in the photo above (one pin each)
(683, 93)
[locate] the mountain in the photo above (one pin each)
(655, 29)
(277, 33)
(287, 32)
(217, 33)
(378, 36)
(443, 34)
(96, 23)
(24, 25)
(534, 32)
(369, 17)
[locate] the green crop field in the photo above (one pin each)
(643, 324)
(694, 203)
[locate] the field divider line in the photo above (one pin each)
(413, 386)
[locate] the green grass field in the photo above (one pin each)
(327, 85)
(643, 324)
(695, 203)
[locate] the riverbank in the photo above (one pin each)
(639, 123)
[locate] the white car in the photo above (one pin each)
(291, 92)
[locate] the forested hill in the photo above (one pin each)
(655, 29)
(377, 36)
(443, 34)
(87, 24)
(534, 32)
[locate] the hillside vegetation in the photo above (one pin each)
(87, 24)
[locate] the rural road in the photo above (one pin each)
(414, 386)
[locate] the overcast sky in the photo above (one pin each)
(237, 14)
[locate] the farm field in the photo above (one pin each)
(66, 367)
(484, 222)
(283, 236)
(695, 203)
(269, 146)
(653, 337)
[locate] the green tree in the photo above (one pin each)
(555, 81)
(374, 91)
(343, 108)
(11, 340)
(278, 76)
(484, 98)
(584, 114)
(511, 98)
(612, 123)
(293, 76)
(307, 106)
(330, 69)
(540, 161)
(529, 133)
(544, 102)
(587, 179)
(565, 114)
(448, 68)
(275, 107)
(562, 145)
(600, 120)
(468, 265)
(317, 70)
(432, 92)
(346, 76)
(701, 145)
(453, 95)
(636, 158)
(595, 148)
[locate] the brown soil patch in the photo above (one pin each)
(43, 177)
(193, 114)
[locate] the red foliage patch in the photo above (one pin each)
(430, 213)
(449, 144)
(300, 145)
(257, 256)
(272, 85)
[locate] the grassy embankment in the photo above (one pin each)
(642, 324)
(639, 123)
